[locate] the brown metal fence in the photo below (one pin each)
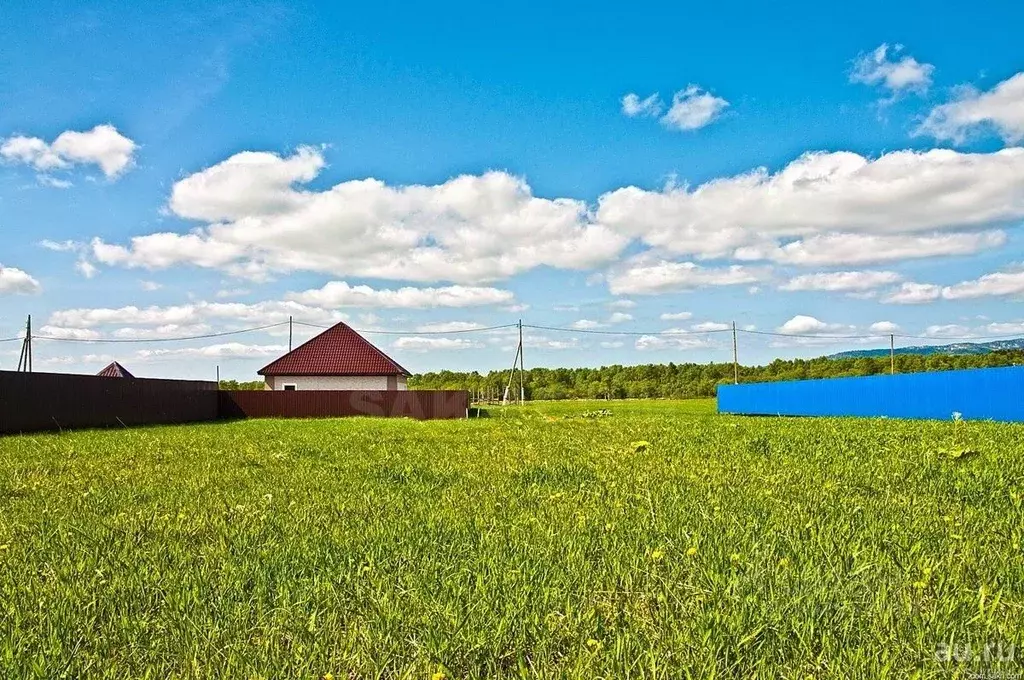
(420, 404)
(32, 402)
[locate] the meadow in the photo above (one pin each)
(655, 539)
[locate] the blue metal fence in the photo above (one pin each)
(976, 394)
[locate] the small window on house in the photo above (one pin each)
(289, 387)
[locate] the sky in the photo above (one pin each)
(628, 179)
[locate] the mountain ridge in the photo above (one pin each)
(958, 348)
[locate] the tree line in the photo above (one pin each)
(690, 380)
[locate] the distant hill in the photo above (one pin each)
(955, 348)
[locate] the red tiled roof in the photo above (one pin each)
(115, 370)
(337, 351)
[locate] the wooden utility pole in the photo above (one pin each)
(522, 388)
(892, 354)
(735, 357)
(25, 360)
(289, 334)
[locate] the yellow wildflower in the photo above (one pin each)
(692, 551)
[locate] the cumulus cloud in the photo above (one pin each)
(885, 327)
(693, 108)
(911, 293)
(711, 327)
(855, 249)
(620, 317)
(676, 316)
(998, 284)
(468, 229)
(633, 105)
(822, 209)
(808, 325)
(665, 342)
(1000, 109)
(841, 281)
(260, 313)
(340, 294)
(102, 146)
(17, 282)
(448, 327)
(622, 304)
(585, 324)
(428, 344)
(882, 67)
(646, 276)
(824, 194)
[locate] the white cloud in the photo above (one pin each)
(661, 342)
(61, 246)
(69, 333)
(808, 325)
(841, 281)
(424, 344)
(711, 326)
(622, 304)
(645, 276)
(150, 286)
(948, 331)
(232, 292)
(824, 194)
(885, 327)
(998, 284)
(260, 313)
(50, 181)
(585, 324)
(839, 249)
(676, 316)
(633, 105)
(911, 293)
(17, 282)
(227, 350)
(102, 146)
(1001, 108)
(468, 229)
(448, 326)
(86, 268)
(693, 108)
(620, 317)
(896, 75)
(340, 294)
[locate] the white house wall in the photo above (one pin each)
(347, 382)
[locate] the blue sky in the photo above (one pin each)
(650, 168)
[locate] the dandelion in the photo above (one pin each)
(593, 644)
(735, 558)
(691, 551)
(439, 675)
(657, 555)
(784, 562)
(328, 676)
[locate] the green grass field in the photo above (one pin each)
(534, 543)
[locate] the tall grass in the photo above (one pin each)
(527, 544)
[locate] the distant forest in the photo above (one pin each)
(683, 381)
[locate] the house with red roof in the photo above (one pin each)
(337, 359)
(115, 370)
